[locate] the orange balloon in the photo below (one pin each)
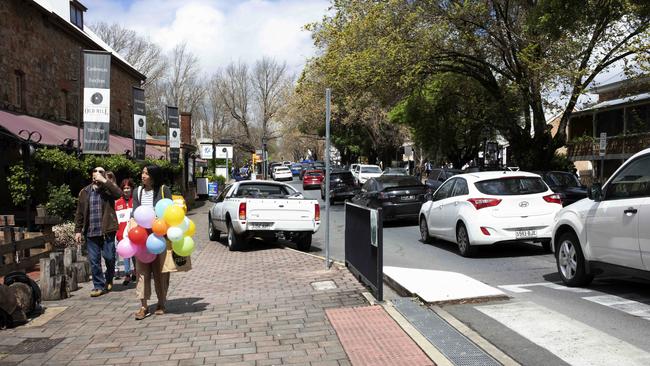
(159, 227)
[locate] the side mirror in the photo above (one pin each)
(212, 199)
(595, 192)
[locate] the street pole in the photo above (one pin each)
(214, 158)
(328, 97)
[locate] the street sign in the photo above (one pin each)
(603, 143)
(206, 151)
(213, 189)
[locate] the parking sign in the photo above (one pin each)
(603, 143)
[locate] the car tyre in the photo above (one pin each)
(213, 234)
(424, 231)
(464, 246)
(570, 261)
(303, 241)
(235, 241)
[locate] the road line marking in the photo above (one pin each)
(572, 341)
(521, 288)
(626, 305)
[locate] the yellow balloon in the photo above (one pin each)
(191, 229)
(174, 215)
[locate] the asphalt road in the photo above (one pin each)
(613, 309)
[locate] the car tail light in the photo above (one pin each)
(485, 231)
(317, 212)
(242, 211)
(480, 203)
(553, 198)
(386, 195)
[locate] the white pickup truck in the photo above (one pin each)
(263, 209)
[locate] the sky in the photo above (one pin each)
(220, 31)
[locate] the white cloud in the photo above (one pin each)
(220, 31)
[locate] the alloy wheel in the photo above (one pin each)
(567, 259)
(463, 240)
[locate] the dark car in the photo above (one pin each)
(399, 197)
(566, 185)
(342, 186)
(312, 179)
(438, 176)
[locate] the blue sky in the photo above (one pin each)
(220, 31)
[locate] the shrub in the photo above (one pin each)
(17, 183)
(61, 202)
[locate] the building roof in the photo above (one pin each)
(60, 9)
(633, 99)
(616, 85)
(54, 133)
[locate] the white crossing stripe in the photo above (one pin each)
(624, 304)
(570, 340)
(521, 288)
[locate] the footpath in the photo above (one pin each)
(265, 306)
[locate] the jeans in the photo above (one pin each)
(127, 266)
(98, 247)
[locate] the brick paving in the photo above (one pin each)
(233, 308)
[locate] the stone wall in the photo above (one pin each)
(45, 51)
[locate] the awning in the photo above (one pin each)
(616, 103)
(54, 133)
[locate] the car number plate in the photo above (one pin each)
(259, 225)
(407, 198)
(522, 234)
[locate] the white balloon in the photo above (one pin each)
(185, 224)
(175, 233)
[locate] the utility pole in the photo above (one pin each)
(328, 97)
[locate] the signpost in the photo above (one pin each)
(602, 151)
(328, 155)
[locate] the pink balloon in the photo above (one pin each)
(144, 256)
(126, 249)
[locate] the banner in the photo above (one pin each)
(139, 124)
(96, 102)
(174, 135)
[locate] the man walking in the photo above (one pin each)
(97, 221)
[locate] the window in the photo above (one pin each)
(371, 169)
(77, 14)
(445, 190)
(460, 189)
(511, 186)
(633, 181)
(264, 191)
(19, 99)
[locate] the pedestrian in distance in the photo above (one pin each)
(149, 193)
(123, 208)
(95, 219)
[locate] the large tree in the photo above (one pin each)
(521, 52)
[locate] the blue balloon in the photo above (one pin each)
(161, 206)
(156, 244)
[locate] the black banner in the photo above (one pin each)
(96, 102)
(173, 135)
(139, 124)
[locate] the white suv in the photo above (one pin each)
(366, 172)
(610, 229)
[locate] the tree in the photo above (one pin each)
(270, 85)
(519, 52)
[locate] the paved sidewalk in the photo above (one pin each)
(257, 307)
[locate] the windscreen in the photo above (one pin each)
(402, 182)
(264, 191)
(563, 179)
(370, 169)
(315, 174)
(511, 186)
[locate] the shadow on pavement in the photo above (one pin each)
(400, 223)
(506, 250)
(186, 305)
(621, 285)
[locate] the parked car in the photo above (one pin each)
(312, 179)
(490, 207)
(281, 173)
(438, 176)
(566, 185)
(271, 166)
(399, 197)
(263, 209)
(342, 186)
(366, 172)
(286, 163)
(609, 230)
(396, 171)
(305, 168)
(296, 168)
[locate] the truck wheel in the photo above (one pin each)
(212, 233)
(303, 241)
(235, 241)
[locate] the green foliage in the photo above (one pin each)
(58, 159)
(61, 202)
(17, 183)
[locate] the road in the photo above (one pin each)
(544, 323)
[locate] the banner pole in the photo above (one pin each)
(328, 97)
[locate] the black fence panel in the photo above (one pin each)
(364, 248)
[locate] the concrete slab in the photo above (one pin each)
(435, 287)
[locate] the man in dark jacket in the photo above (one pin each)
(96, 220)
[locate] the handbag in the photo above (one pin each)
(174, 262)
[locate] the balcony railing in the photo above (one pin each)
(620, 146)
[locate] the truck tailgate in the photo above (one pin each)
(280, 210)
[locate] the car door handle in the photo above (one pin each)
(630, 211)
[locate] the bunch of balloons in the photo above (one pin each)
(156, 224)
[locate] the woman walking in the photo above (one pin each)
(123, 208)
(149, 193)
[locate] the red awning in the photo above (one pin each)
(53, 133)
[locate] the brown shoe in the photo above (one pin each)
(160, 310)
(142, 313)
